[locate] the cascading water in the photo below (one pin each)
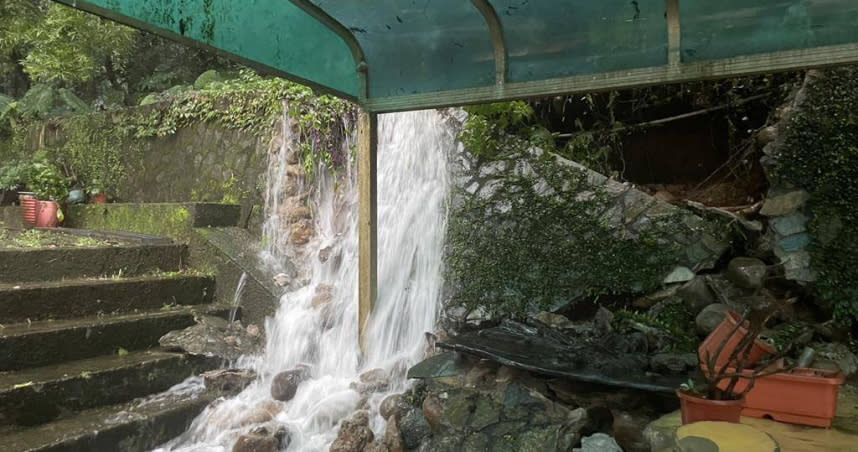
(316, 324)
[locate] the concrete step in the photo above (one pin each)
(41, 394)
(51, 264)
(131, 427)
(84, 297)
(47, 342)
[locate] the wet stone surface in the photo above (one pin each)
(214, 337)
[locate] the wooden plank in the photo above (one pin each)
(634, 78)
(367, 191)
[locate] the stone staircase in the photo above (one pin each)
(79, 355)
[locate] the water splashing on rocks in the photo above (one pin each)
(312, 355)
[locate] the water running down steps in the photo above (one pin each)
(316, 324)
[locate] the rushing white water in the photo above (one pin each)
(412, 202)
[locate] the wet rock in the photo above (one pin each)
(264, 412)
(393, 437)
(325, 254)
(628, 431)
(696, 295)
(393, 405)
(324, 294)
(375, 380)
(263, 439)
(599, 442)
(282, 279)
(710, 317)
(480, 374)
(554, 320)
(790, 224)
(784, 204)
(354, 434)
(255, 443)
(432, 412)
(301, 232)
(212, 337)
(673, 363)
(414, 428)
(285, 384)
(228, 380)
(747, 272)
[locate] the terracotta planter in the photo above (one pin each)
(800, 396)
(29, 207)
(47, 216)
(697, 409)
(100, 198)
(759, 350)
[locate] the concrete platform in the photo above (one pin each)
(842, 437)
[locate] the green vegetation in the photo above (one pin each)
(46, 239)
(673, 320)
(530, 245)
(821, 155)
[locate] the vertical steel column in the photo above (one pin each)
(367, 192)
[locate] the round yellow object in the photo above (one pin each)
(727, 437)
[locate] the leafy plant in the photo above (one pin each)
(47, 182)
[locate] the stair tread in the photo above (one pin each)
(84, 368)
(84, 428)
(84, 282)
(43, 326)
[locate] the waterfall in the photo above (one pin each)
(316, 324)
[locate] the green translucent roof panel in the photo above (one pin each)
(727, 28)
(551, 39)
(418, 46)
(271, 33)
(394, 55)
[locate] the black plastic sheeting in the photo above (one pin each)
(606, 360)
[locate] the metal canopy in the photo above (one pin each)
(391, 55)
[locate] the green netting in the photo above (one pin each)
(418, 46)
(728, 28)
(273, 33)
(551, 39)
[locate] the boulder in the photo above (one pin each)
(393, 405)
(696, 295)
(414, 428)
(393, 437)
(599, 442)
(375, 380)
(679, 274)
(228, 380)
(784, 204)
(213, 337)
(254, 442)
(710, 317)
(673, 363)
(354, 434)
(285, 384)
(838, 354)
(554, 320)
(747, 272)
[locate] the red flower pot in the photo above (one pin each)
(47, 216)
(799, 396)
(99, 198)
(29, 208)
(759, 350)
(697, 409)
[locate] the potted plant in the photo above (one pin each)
(49, 186)
(727, 373)
(96, 193)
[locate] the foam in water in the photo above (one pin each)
(412, 212)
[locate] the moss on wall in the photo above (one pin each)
(820, 155)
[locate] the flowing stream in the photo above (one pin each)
(316, 324)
